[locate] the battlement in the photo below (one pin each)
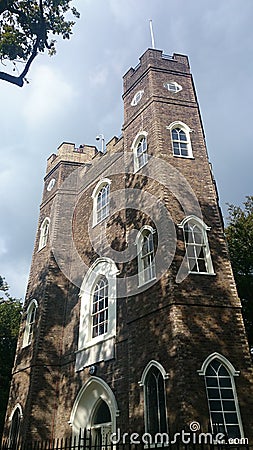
(68, 151)
(157, 60)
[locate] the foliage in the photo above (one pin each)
(27, 27)
(239, 235)
(10, 315)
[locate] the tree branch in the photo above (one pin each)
(19, 81)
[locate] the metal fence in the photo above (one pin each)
(94, 440)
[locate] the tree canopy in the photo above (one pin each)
(27, 28)
(239, 235)
(10, 315)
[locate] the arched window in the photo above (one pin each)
(100, 308)
(101, 201)
(146, 254)
(154, 398)
(97, 328)
(30, 323)
(44, 232)
(196, 244)
(181, 142)
(221, 396)
(140, 148)
(15, 427)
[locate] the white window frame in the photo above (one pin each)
(137, 97)
(134, 147)
(142, 383)
(206, 249)
(173, 86)
(233, 373)
(146, 229)
(101, 347)
(99, 186)
(99, 310)
(44, 233)
(30, 322)
(187, 132)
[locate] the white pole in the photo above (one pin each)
(152, 34)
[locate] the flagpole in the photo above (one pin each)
(152, 34)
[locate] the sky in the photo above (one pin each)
(76, 95)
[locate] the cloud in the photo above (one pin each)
(3, 247)
(48, 97)
(98, 76)
(77, 94)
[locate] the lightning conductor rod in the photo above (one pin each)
(152, 33)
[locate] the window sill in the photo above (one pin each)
(95, 351)
(95, 341)
(101, 221)
(147, 282)
(183, 157)
(137, 169)
(202, 273)
(41, 248)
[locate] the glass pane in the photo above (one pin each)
(223, 371)
(227, 393)
(213, 393)
(102, 414)
(202, 265)
(190, 251)
(231, 418)
(229, 405)
(192, 265)
(233, 431)
(182, 135)
(176, 148)
(184, 151)
(188, 235)
(217, 417)
(210, 371)
(225, 382)
(175, 134)
(215, 405)
(211, 381)
(198, 236)
(215, 364)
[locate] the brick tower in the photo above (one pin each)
(132, 320)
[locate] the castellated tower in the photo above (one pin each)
(132, 320)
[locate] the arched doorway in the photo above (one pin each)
(95, 408)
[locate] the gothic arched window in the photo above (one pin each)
(15, 428)
(44, 232)
(146, 254)
(221, 395)
(154, 398)
(101, 201)
(181, 142)
(140, 148)
(30, 323)
(196, 244)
